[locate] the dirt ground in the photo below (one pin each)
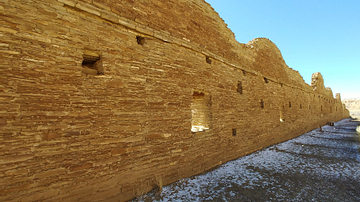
(317, 166)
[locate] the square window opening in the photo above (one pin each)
(92, 63)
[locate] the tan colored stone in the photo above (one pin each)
(59, 171)
(17, 158)
(81, 167)
(118, 151)
(68, 2)
(89, 71)
(87, 8)
(5, 29)
(49, 136)
(114, 84)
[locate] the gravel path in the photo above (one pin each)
(317, 166)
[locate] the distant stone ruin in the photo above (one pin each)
(100, 99)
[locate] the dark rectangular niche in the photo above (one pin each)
(92, 63)
(140, 40)
(233, 132)
(239, 87)
(208, 60)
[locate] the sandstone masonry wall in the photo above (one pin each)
(102, 99)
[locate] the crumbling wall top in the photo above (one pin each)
(191, 20)
(317, 83)
(196, 22)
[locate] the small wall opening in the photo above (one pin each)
(300, 106)
(289, 104)
(281, 116)
(233, 132)
(92, 63)
(244, 72)
(208, 60)
(239, 87)
(266, 80)
(140, 40)
(336, 108)
(201, 112)
(330, 110)
(262, 104)
(321, 107)
(281, 85)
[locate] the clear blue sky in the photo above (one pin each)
(312, 35)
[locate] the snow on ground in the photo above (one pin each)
(317, 166)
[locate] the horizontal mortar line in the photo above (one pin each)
(177, 42)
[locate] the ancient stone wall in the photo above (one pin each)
(100, 100)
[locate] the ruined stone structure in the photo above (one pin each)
(103, 100)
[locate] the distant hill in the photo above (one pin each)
(353, 105)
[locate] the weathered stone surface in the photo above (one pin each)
(104, 131)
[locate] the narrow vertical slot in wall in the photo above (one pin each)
(200, 111)
(208, 59)
(262, 104)
(234, 132)
(239, 87)
(281, 116)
